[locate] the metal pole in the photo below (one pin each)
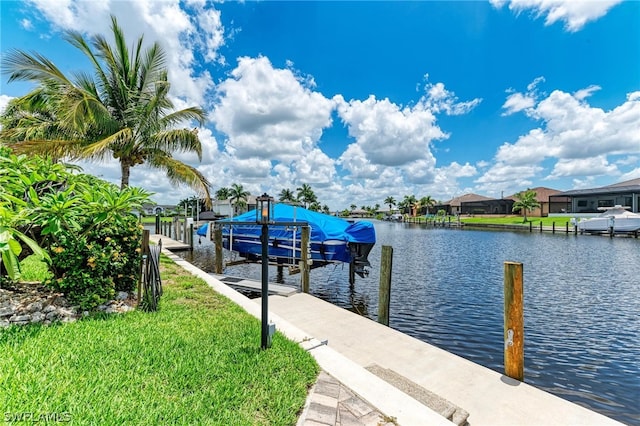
(265, 287)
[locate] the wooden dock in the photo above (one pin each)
(169, 243)
(274, 289)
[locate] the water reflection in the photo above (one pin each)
(582, 300)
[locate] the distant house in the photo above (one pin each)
(542, 196)
(224, 208)
(625, 194)
(454, 205)
(151, 209)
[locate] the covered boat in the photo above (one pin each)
(332, 239)
(618, 218)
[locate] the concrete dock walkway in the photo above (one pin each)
(387, 372)
(489, 397)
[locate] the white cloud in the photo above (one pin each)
(388, 134)
(438, 99)
(594, 166)
(517, 101)
(578, 138)
(26, 24)
(4, 101)
(268, 113)
(180, 33)
(633, 174)
(574, 13)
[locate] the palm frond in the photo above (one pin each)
(184, 115)
(98, 150)
(22, 66)
(179, 172)
(181, 140)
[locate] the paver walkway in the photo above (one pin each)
(332, 403)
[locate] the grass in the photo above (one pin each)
(195, 361)
(516, 220)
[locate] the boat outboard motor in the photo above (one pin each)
(359, 257)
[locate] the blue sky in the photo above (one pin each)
(364, 100)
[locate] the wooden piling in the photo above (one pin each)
(191, 237)
(185, 237)
(530, 226)
(553, 227)
(304, 258)
(217, 237)
(157, 223)
(384, 294)
(513, 321)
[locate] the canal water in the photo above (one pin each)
(582, 303)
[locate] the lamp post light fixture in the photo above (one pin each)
(263, 216)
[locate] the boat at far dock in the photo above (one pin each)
(617, 219)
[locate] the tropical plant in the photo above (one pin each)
(306, 195)
(390, 201)
(408, 203)
(11, 241)
(122, 111)
(426, 202)
(223, 193)
(238, 195)
(85, 225)
(286, 196)
(525, 201)
(353, 207)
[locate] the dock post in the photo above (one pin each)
(384, 294)
(217, 236)
(185, 237)
(191, 236)
(553, 227)
(513, 321)
(541, 226)
(530, 226)
(157, 223)
(304, 258)
(175, 229)
(567, 227)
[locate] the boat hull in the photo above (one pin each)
(603, 224)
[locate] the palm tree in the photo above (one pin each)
(427, 202)
(223, 193)
(238, 196)
(526, 201)
(390, 201)
(408, 202)
(287, 196)
(122, 111)
(306, 195)
(353, 207)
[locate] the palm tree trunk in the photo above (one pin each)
(125, 170)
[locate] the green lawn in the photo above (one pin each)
(195, 361)
(546, 221)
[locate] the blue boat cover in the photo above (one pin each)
(323, 227)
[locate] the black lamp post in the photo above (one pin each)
(263, 216)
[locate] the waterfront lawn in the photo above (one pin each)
(515, 220)
(195, 361)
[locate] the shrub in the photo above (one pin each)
(84, 223)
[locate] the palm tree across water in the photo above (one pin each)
(427, 202)
(526, 201)
(122, 111)
(223, 193)
(390, 201)
(238, 195)
(286, 196)
(306, 195)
